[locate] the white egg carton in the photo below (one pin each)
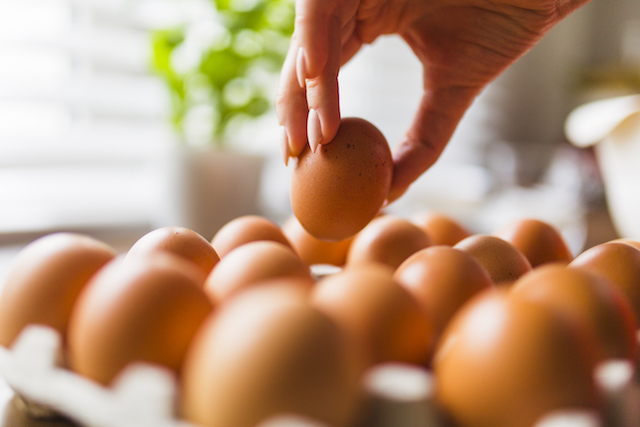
(398, 395)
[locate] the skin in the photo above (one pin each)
(462, 44)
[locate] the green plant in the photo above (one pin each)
(223, 69)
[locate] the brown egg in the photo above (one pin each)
(245, 229)
(617, 262)
(313, 250)
(383, 321)
(253, 262)
(387, 239)
(538, 241)
(595, 304)
(179, 241)
(45, 279)
(504, 262)
(442, 279)
(268, 352)
(337, 190)
(147, 311)
(506, 362)
(442, 229)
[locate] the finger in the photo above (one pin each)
(322, 94)
(439, 113)
(350, 48)
(347, 30)
(291, 107)
(312, 27)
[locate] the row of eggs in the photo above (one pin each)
(510, 323)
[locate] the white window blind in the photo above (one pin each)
(81, 116)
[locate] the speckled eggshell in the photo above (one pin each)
(441, 228)
(506, 362)
(45, 279)
(253, 262)
(337, 190)
(442, 279)
(180, 241)
(617, 262)
(388, 240)
(265, 353)
(539, 241)
(245, 229)
(313, 250)
(147, 311)
(504, 262)
(589, 299)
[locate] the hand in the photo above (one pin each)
(462, 45)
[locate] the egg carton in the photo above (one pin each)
(397, 395)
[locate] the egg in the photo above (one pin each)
(147, 311)
(381, 318)
(539, 241)
(504, 262)
(507, 362)
(588, 299)
(45, 280)
(245, 229)
(617, 262)
(441, 228)
(253, 262)
(337, 190)
(632, 242)
(265, 353)
(387, 239)
(442, 279)
(180, 241)
(313, 250)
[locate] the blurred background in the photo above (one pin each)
(120, 116)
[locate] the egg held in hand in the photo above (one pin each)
(337, 190)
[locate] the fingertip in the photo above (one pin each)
(285, 150)
(314, 129)
(301, 67)
(330, 119)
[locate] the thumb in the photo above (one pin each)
(438, 115)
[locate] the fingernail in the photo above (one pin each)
(284, 145)
(314, 130)
(301, 67)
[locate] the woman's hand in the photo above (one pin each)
(462, 45)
